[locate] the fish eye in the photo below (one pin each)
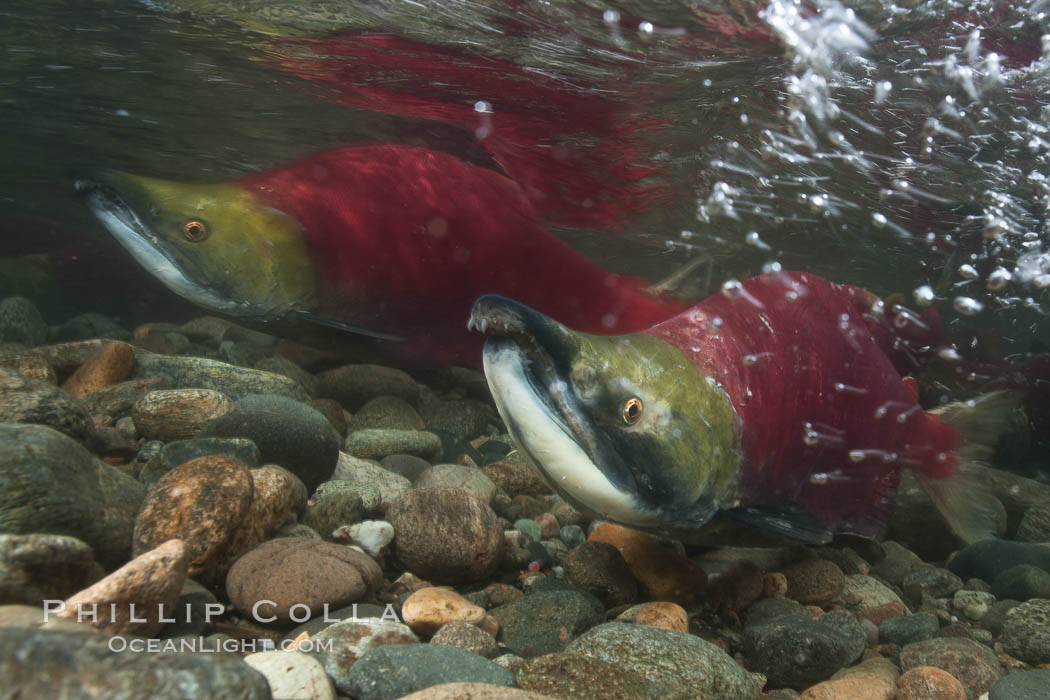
(632, 410)
(195, 230)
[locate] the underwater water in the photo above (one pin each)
(348, 177)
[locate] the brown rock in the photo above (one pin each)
(668, 616)
(600, 569)
(774, 585)
(871, 679)
(353, 385)
(814, 581)
(662, 574)
(330, 409)
(176, 414)
(201, 503)
(26, 400)
(739, 586)
(967, 660)
(881, 613)
(296, 574)
(549, 526)
(66, 357)
(133, 598)
(273, 498)
(38, 567)
(112, 364)
(929, 683)
(446, 535)
(502, 593)
(429, 609)
(516, 478)
(31, 364)
(117, 399)
(473, 691)
(467, 636)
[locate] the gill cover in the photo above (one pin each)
(625, 427)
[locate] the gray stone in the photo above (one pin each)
(378, 443)
(191, 613)
(89, 325)
(850, 629)
(179, 452)
(292, 674)
(455, 476)
(51, 484)
(467, 636)
(336, 503)
(202, 373)
(1022, 582)
(1035, 524)
(1026, 632)
(572, 535)
(599, 569)
(354, 385)
(528, 527)
(465, 419)
(390, 672)
(279, 364)
(26, 400)
(545, 622)
(347, 641)
(74, 665)
(353, 612)
(996, 615)
(972, 605)
(577, 676)
(365, 471)
(1029, 685)
(899, 561)
(796, 652)
(933, 581)
(35, 568)
(386, 413)
(408, 466)
(768, 609)
(677, 666)
(20, 322)
(986, 559)
(901, 631)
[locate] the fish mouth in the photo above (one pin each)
(528, 359)
(119, 203)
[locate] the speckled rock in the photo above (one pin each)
(202, 373)
(467, 636)
(661, 573)
(796, 652)
(110, 365)
(274, 494)
(813, 580)
(1026, 632)
(66, 665)
(1035, 524)
(675, 665)
(177, 414)
(872, 679)
(576, 676)
(201, 503)
(473, 691)
(986, 559)
(30, 364)
(970, 662)
(455, 476)
(292, 674)
(932, 581)
(25, 400)
(516, 477)
(35, 568)
(117, 399)
(377, 443)
(307, 447)
(972, 605)
(145, 588)
(901, 631)
(862, 592)
(391, 672)
(428, 609)
(599, 569)
(21, 322)
(365, 471)
(463, 418)
(1030, 685)
(1022, 582)
(929, 683)
(299, 576)
(335, 504)
(446, 536)
(545, 622)
(386, 413)
(51, 484)
(350, 639)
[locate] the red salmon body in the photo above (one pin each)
(826, 420)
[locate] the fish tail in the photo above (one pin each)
(971, 511)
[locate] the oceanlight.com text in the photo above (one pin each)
(200, 645)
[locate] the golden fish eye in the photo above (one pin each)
(195, 230)
(632, 410)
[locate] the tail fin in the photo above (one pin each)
(971, 511)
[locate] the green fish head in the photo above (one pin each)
(215, 245)
(623, 427)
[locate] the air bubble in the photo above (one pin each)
(924, 295)
(752, 239)
(967, 306)
(998, 278)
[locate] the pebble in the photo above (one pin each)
(41, 663)
(201, 503)
(373, 536)
(465, 419)
(970, 662)
(202, 373)
(375, 443)
(530, 528)
(901, 631)
(1030, 685)
(193, 616)
(880, 613)
(292, 674)
(110, 365)
(1022, 582)
(797, 652)
(467, 636)
(661, 573)
(37, 567)
(408, 466)
(473, 691)
(996, 615)
(861, 592)
(334, 413)
(872, 679)
(132, 599)
(1035, 524)
(546, 621)
(386, 413)
(339, 646)
(668, 616)
(929, 683)
(501, 594)
(987, 558)
(549, 526)
(599, 569)
(365, 471)
(51, 483)
(899, 561)
(428, 609)
(25, 400)
(21, 322)
(296, 574)
(772, 608)
(813, 581)
(517, 478)
(445, 535)
(176, 414)
(675, 665)
(931, 581)
(563, 675)
(572, 535)
(355, 385)
(117, 399)
(335, 504)
(973, 605)
(173, 454)
(391, 672)
(453, 476)
(279, 364)
(1026, 632)
(303, 444)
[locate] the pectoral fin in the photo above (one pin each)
(324, 321)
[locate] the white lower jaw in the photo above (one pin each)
(540, 434)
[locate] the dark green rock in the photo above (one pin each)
(390, 672)
(408, 466)
(336, 503)
(986, 559)
(50, 483)
(796, 652)
(376, 443)
(851, 630)
(21, 322)
(901, 631)
(1022, 582)
(1029, 685)
(542, 623)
